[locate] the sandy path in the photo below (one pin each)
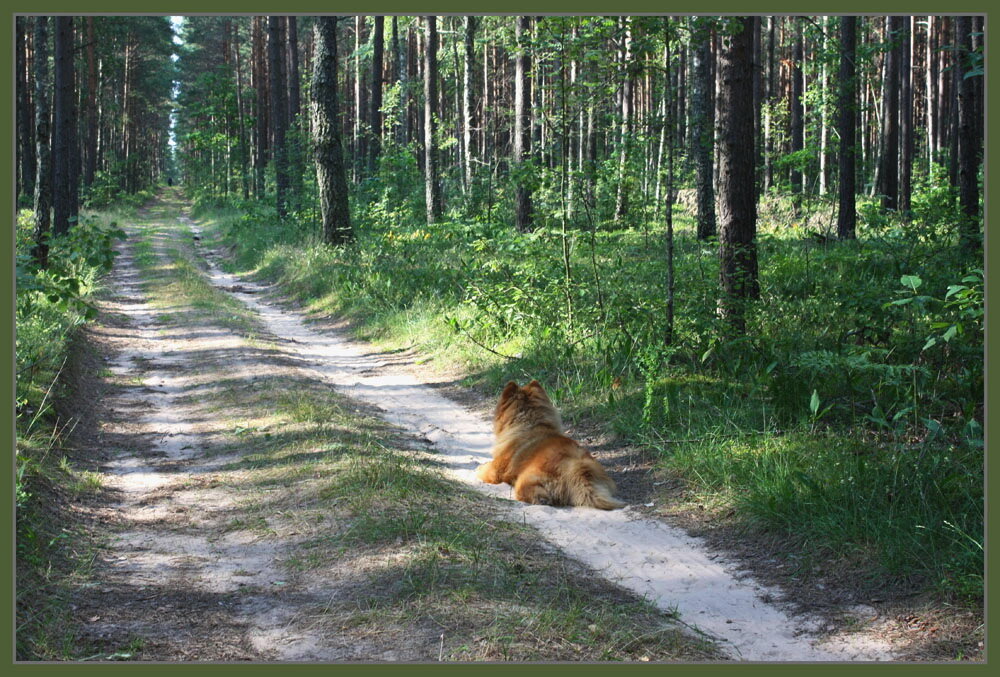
(175, 575)
(649, 557)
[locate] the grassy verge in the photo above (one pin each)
(54, 550)
(837, 421)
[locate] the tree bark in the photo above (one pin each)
(625, 137)
(468, 70)
(797, 126)
(737, 203)
(295, 139)
(905, 115)
(279, 112)
(702, 126)
(62, 126)
(259, 76)
(43, 165)
(523, 217)
(968, 144)
(331, 176)
(889, 164)
(25, 142)
(846, 126)
(375, 111)
(90, 168)
(432, 185)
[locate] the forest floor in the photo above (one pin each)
(275, 490)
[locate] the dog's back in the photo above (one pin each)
(542, 464)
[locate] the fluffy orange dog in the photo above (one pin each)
(532, 454)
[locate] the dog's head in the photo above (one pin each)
(524, 406)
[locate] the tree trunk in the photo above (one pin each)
(702, 126)
(294, 144)
(432, 185)
(468, 69)
(824, 134)
(905, 115)
(889, 165)
(737, 203)
(259, 75)
(930, 57)
(359, 147)
(279, 112)
(625, 137)
(90, 168)
(62, 126)
(846, 126)
(523, 217)
(400, 77)
(968, 144)
(43, 165)
(375, 112)
(797, 126)
(241, 117)
(331, 176)
(25, 142)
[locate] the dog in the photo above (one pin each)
(532, 454)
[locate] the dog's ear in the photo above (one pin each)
(537, 388)
(509, 390)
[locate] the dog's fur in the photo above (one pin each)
(533, 455)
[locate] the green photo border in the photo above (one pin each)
(180, 7)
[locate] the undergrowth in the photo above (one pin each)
(51, 546)
(849, 415)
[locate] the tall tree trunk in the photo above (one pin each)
(62, 126)
(702, 126)
(824, 135)
(279, 111)
(889, 165)
(358, 145)
(241, 117)
(758, 97)
(25, 141)
(400, 77)
(259, 75)
(331, 176)
(294, 144)
(625, 137)
(930, 57)
(771, 89)
(468, 69)
(968, 144)
(90, 168)
(797, 123)
(523, 217)
(43, 165)
(737, 203)
(432, 184)
(375, 113)
(906, 114)
(846, 125)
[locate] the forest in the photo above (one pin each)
(749, 246)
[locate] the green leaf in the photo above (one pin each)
(814, 402)
(950, 334)
(930, 342)
(911, 282)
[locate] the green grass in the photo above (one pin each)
(496, 305)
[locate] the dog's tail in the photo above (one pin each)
(587, 484)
